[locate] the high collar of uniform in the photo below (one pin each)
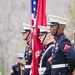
(59, 36)
(48, 45)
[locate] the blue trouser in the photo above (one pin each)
(61, 71)
(26, 71)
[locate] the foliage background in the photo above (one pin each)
(13, 13)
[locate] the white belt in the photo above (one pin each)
(42, 70)
(59, 66)
(28, 66)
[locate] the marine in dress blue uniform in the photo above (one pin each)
(45, 67)
(18, 68)
(28, 60)
(27, 53)
(63, 55)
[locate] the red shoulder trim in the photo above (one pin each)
(66, 47)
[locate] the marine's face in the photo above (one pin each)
(53, 29)
(20, 60)
(41, 37)
(24, 35)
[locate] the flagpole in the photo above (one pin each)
(38, 18)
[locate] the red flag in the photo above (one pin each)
(37, 47)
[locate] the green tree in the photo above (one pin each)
(72, 17)
(72, 14)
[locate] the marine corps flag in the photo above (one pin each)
(38, 18)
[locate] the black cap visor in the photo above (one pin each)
(41, 33)
(20, 57)
(24, 31)
(52, 23)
